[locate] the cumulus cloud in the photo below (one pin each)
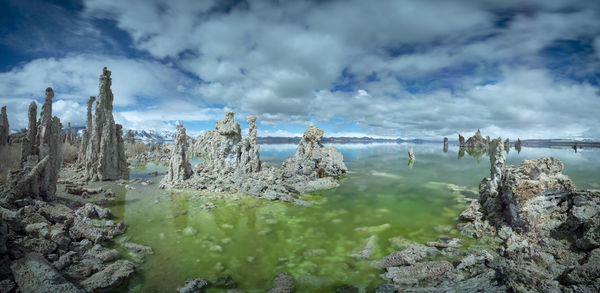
(392, 68)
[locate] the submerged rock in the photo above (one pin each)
(283, 283)
(192, 285)
(105, 156)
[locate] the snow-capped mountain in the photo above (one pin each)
(154, 136)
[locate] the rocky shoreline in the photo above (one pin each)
(548, 234)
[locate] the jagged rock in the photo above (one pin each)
(179, 166)
(461, 141)
(4, 127)
(110, 277)
(33, 273)
(138, 248)
(283, 283)
(507, 144)
(192, 285)
(445, 144)
(85, 135)
(105, 155)
(249, 157)
(313, 159)
(476, 141)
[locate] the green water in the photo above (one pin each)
(252, 240)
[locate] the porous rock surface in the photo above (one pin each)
(105, 155)
(232, 164)
(42, 161)
(179, 166)
(548, 234)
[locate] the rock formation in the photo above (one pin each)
(4, 127)
(548, 234)
(129, 137)
(232, 164)
(461, 141)
(39, 173)
(476, 141)
(179, 166)
(507, 145)
(312, 159)
(518, 145)
(85, 135)
(445, 144)
(411, 155)
(105, 155)
(249, 157)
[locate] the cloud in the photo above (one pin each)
(395, 68)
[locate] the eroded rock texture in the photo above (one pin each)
(179, 166)
(232, 164)
(461, 140)
(85, 134)
(548, 234)
(29, 145)
(476, 141)
(312, 159)
(105, 156)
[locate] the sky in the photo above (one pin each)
(397, 68)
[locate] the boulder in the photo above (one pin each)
(110, 277)
(33, 273)
(283, 283)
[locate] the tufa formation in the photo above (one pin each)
(105, 156)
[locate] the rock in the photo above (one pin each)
(34, 274)
(433, 272)
(408, 256)
(51, 146)
(105, 156)
(192, 285)
(225, 282)
(249, 157)
(507, 144)
(367, 250)
(461, 141)
(472, 213)
(347, 289)
(411, 155)
(7, 286)
(518, 145)
(373, 229)
(283, 283)
(65, 260)
(588, 271)
(85, 134)
(82, 229)
(29, 146)
(92, 211)
(444, 242)
(313, 159)
(179, 166)
(4, 127)
(110, 277)
(476, 141)
(138, 248)
(445, 144)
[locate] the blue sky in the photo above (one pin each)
(411, 69)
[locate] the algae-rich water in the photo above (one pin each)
(252, 240)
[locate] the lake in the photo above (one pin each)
(382, 198)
